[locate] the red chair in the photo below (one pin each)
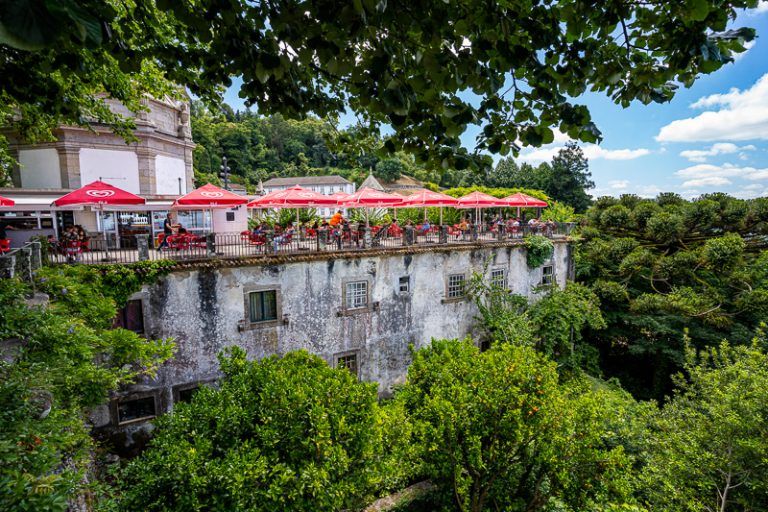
(5, 246)
(311, 233)
(73, 248)
(178, 242)
(394, 230)
(198, 242)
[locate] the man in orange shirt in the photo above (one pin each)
(337, 219)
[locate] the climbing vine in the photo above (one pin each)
(539, 249)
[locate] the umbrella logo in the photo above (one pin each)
(100, 193)
(212, 194)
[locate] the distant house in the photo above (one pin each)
(322, 184)
(403, 185)
(238, 189)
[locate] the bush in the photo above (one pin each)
(286, 433)
(538, 250)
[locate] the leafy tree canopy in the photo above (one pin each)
(707, 447)
(286, 433)
(405, 64)
(661, 266)
(499, 432)
(58, 362)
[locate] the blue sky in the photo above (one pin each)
(711, 137)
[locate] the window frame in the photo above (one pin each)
(492, 279)
(547, 279)
(121, 317)
(346, 354)
(345, 296)
(407, 285)
(115, 407)
(247, 322)
(451, 296)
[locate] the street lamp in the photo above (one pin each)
(225, 172)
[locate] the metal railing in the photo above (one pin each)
(300, 241)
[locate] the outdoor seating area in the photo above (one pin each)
(302, 241)
(375, 226)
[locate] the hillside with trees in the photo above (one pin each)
(262, 147)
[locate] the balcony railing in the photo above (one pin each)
(303, 241)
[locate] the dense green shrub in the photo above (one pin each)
(538, 250)
(286, 433)
(64, 360)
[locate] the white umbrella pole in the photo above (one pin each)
(441, 215)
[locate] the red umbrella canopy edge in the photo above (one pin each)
(99, 193)
(479, 199)
(525, 201)
(294, 197)
(425, 198)
(5, 201)
(209, 196)
(368, 197)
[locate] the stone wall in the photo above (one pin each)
(206, 311)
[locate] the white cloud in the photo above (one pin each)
(761, 7)
(732, 116)
(618, 185)
(591, 151)
(713, 181)
(715, 175)
(721, 148)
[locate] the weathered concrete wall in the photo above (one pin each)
(206, 311)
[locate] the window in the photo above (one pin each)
(137, 409)
(547, 274)
(356, 295)
(131, 317)
(348, 360)
(456, 286)
(499, 278)
(185, 393)
(262, 306)
(405, 284)
(230, 216)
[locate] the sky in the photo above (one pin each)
(711, 137)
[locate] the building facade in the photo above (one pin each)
(157, 166)
(359, 312)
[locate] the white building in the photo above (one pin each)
(157, 166)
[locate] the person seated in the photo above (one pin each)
(71, 243)
(337, 219)
(181, 230)
(424, 228)
(284, 237)
(257, 230)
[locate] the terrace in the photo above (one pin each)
(305, 242)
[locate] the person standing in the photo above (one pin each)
(167, 231)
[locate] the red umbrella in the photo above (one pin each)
(524, 201)
(339, 195)
(479, 200)
(425, 198)
(99, 194)
(368, 197)
(294, 197)
(209, 196)
(4, 201)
